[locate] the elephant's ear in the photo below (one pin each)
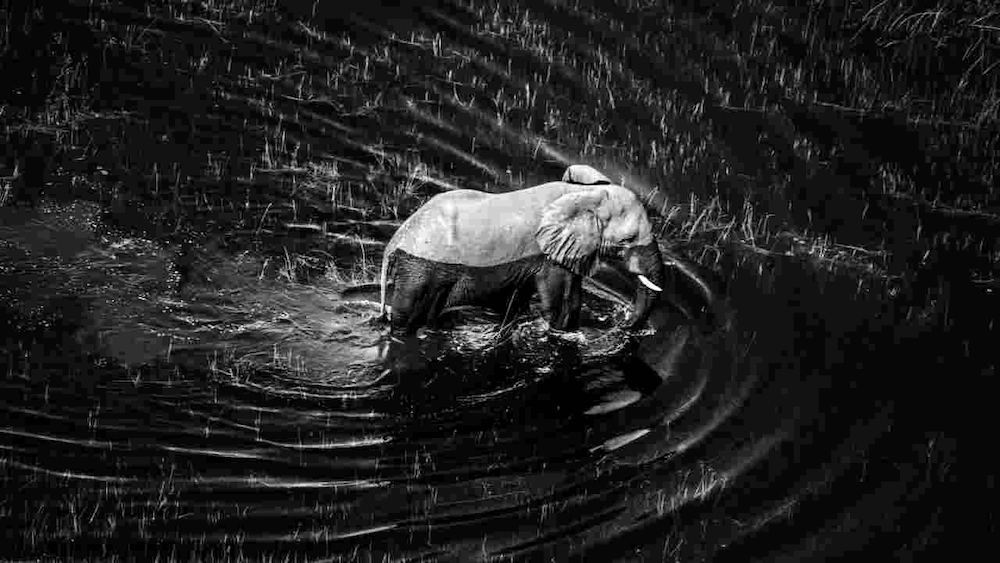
(571, 229)
(584, 174)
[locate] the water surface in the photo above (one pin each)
(238, 413)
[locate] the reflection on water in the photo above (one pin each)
(241, 415)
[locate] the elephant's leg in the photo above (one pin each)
(410, 285)
(418, 305)
(421, 292)
(559, 290)
(548, 287)
(405, 314)
(436, 298)
(572, 301)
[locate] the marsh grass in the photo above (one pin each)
(358, 272)
(6, 188)
(831, 122)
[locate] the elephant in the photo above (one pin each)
(466, 247)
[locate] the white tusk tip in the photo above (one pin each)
(645, 281)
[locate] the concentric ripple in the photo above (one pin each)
(691, 438)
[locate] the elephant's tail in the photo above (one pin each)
(384, 280)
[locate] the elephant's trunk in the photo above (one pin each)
(645, 261)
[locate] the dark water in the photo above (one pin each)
(192, 368)
(247, 416)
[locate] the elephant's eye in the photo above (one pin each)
(629, 239)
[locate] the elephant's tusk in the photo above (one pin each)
(645, 281)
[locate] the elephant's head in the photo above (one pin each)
(606, 221)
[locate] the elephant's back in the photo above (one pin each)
(474, 228)
(426, 215)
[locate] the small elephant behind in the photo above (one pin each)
(466, 247)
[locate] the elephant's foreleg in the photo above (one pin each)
(560, 293)
(572, 301)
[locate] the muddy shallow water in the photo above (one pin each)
(201, 410)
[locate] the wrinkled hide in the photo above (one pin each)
(476, 228)
(425, 288)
